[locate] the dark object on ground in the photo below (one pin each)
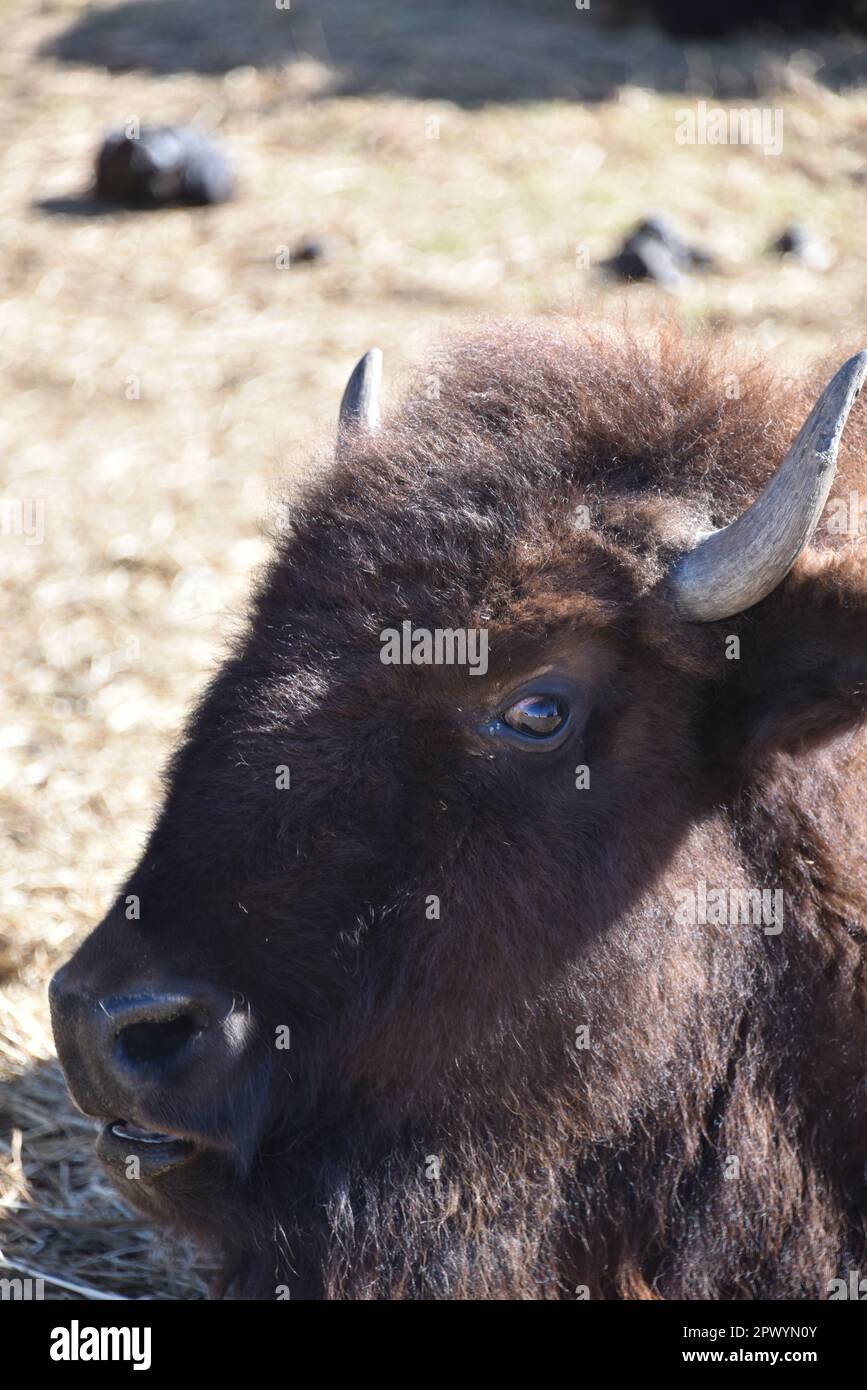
(160, 166)
(798, 241)
(658, 228)
(645, 258)
(311, 249)
(656, 251)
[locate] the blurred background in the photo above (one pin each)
(167, 376)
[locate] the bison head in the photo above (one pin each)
(416, 990)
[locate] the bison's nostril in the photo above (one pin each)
(156, 1041)
(149, 1032)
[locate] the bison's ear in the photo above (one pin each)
(801, 673)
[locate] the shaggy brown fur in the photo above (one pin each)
(562, 1167)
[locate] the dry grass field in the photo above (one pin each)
(164, 381)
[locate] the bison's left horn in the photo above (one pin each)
(359, 408)
(731, 569)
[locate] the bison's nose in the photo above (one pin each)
(141, 1042)
(149, 1033)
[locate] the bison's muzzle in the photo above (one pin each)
(152, 1064)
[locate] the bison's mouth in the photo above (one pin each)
(120, 1141)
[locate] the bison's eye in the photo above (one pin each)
(537, 716)
(535, 720)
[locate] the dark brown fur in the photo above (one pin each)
(561, 1168)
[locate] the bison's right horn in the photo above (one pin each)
(359, 408)
(737, 566)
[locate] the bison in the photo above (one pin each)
(537, 981)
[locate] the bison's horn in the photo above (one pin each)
(359, 408)
(731, 569)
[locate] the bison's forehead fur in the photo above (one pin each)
(538, 484)
(529, 468)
